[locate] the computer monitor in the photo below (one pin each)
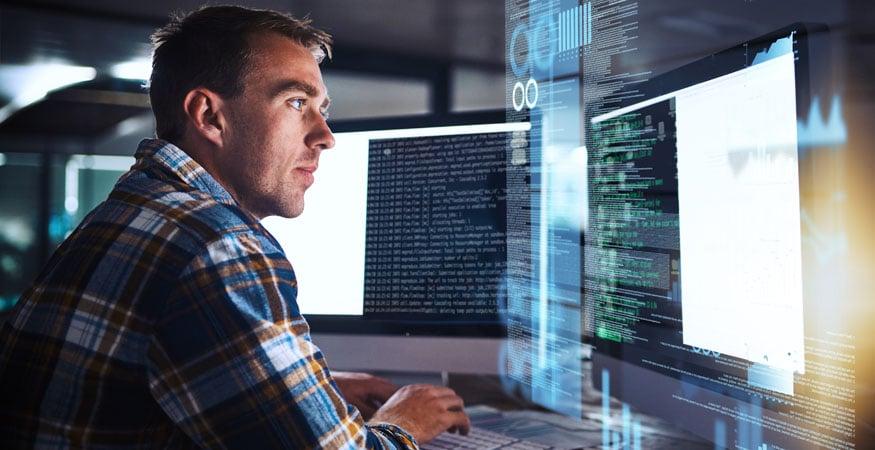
(694, 256)
(400, 252)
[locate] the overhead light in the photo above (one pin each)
(29, 83)
(135, 69)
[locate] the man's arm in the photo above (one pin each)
(365, 391)
(232, 364)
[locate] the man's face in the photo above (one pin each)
(275, 128)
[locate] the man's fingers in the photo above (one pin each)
(454, 403)
(459, 422)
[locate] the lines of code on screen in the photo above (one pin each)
(435, 245)
(632, 257)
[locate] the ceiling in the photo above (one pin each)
(101, 33)
(459, 30)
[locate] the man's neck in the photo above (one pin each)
(204, 155)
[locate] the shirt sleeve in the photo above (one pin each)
(231, 361)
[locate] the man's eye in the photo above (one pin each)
(297, 103)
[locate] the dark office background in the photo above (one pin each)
(62, 153)
(392, 58)
(72, 107)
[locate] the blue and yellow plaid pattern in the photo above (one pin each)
(168, 319)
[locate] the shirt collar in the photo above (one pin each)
(177, 163)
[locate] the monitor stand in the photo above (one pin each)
(410, 354)
(405, 378)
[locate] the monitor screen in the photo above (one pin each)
(712, 191)
(694, 260)
(404, 232)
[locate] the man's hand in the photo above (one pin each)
(365, 391)
(425, 411)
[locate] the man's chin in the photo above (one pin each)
(285, 207)
(291, 211)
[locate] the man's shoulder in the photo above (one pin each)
(154, 205)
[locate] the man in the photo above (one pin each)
(168, 318)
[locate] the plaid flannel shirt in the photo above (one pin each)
(168, 320)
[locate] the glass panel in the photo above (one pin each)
(19, 221)
(476, 90)
(364, 97)
(81, 183)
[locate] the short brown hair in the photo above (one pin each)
(209, 47)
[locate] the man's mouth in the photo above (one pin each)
(307, 173)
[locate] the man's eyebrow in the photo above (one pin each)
(287, 86)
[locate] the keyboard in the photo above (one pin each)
(478, 438)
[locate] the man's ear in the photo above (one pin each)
(205, 111)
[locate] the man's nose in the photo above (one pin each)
(320, 137)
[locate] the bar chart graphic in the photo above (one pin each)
(575, 27)
(630, 439)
